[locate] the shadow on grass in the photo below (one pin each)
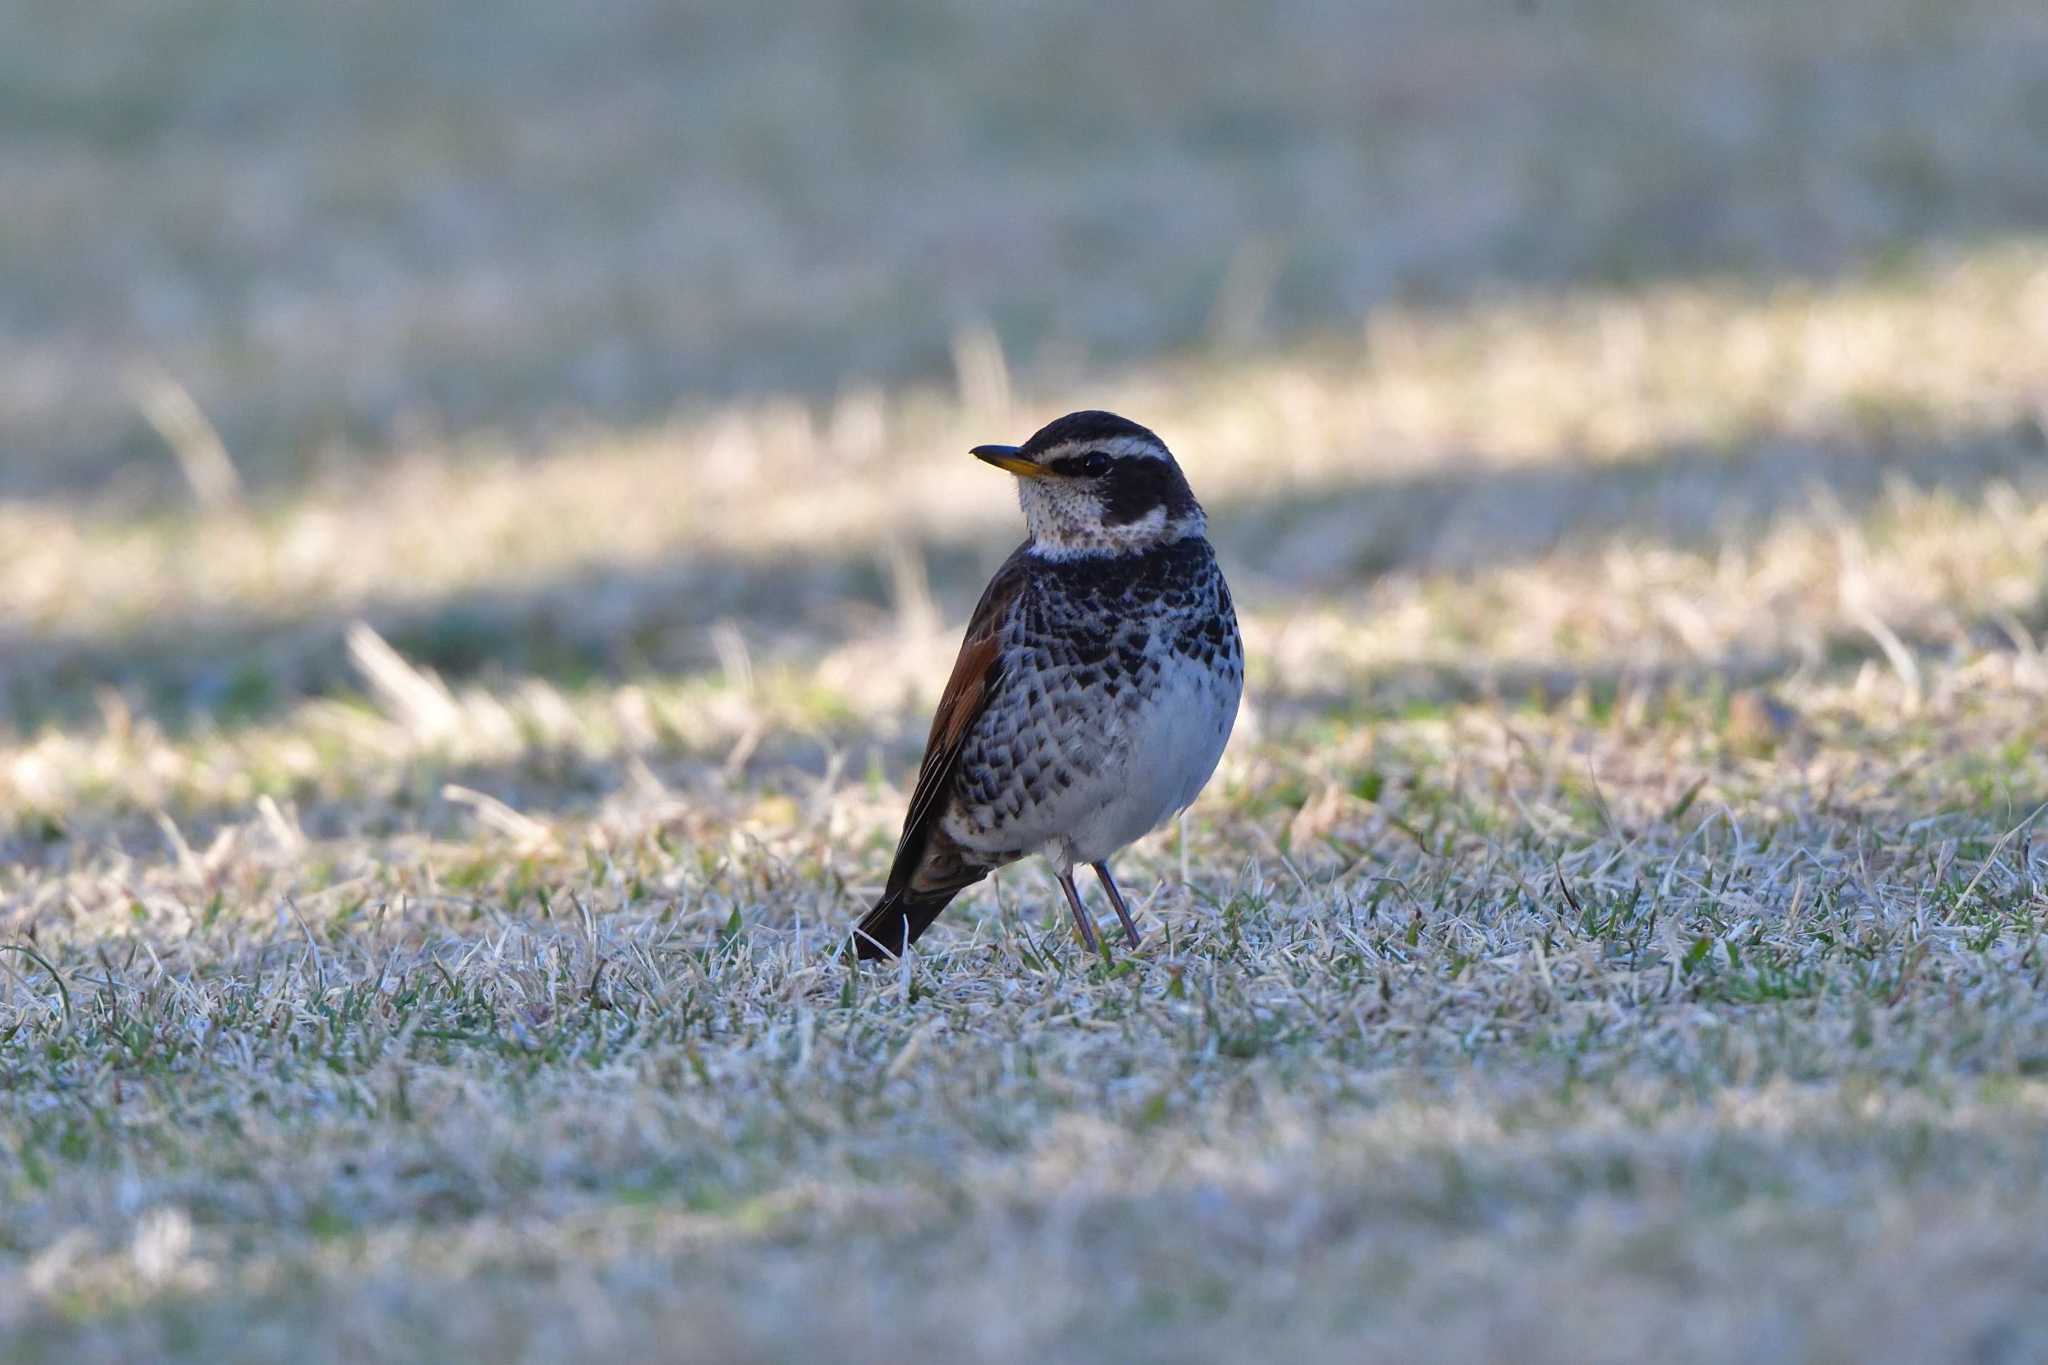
(608, 625)
(500, 215)
(376, 796)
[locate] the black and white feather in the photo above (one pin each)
(1095, 690)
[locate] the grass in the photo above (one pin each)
(1615, 930)
(344, 231)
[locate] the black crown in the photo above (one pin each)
(1090, 425)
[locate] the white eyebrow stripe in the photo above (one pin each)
(1117, 447)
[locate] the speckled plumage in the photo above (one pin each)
(1095, 691)
(1101, 654)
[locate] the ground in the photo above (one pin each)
(485, 519)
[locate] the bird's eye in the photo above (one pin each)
(1094, 465)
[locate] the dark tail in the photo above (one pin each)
(896, 921)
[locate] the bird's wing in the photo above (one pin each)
(976, 679)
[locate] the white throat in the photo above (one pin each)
(1056, 536)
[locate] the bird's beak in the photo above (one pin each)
(1007, 457)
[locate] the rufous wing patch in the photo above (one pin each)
(976, 677)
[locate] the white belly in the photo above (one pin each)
(1175, 745)
(1132, 771)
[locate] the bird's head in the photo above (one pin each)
(1094, 483)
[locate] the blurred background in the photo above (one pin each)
(640, 341)
(346, 229)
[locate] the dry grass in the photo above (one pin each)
(341, 227)
(1615, 931)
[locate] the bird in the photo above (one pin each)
(1093, 694)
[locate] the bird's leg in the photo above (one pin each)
(1116, 899)
(1081, 920)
